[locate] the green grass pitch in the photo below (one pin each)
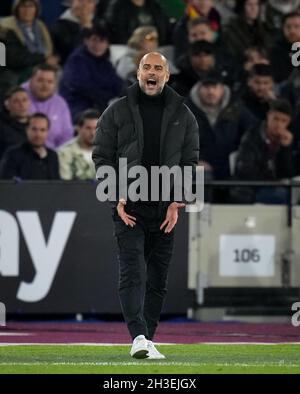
(183, 359)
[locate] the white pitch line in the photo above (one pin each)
(173, 363)
(15, 334)
(156, 343)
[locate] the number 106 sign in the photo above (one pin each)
(247, 255)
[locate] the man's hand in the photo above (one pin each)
(171, 216)
(127, 219)
(286, 138)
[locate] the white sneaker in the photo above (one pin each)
(139, 347)
(154, 354)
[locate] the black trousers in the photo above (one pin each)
(144, 255)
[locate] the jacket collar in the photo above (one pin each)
(172, 99)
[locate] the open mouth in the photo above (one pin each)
(151, 82)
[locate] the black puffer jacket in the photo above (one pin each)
(120, 133)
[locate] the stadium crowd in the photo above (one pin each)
(231, 60)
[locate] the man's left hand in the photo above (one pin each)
(171, 216)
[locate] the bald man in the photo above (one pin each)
(149, 127)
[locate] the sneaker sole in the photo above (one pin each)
(156, 358)
(140, 354)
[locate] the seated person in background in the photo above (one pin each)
(246, 30)
(67, 30)
(31, 32)
(222, 122)
(195, 9)
(265, 154)
(31, 160)
(124, 16)
(260, 90)
(42, 90)
(281, 51)
(75, 157)
(14, 118)
(143, 40)
(89, 79)
(274, 12)
(201, 60)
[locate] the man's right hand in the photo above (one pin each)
(127, 219)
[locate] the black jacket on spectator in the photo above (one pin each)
(281, 60)
(217, 142)
(258, 160)
(66, 35)
(122, 19)
(258, 108)
(12, 132)
(24, 163)
(239, 35)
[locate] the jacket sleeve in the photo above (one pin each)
(190, 150)
(105, 147)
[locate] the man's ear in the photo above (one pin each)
(6, 104)
(168, 76)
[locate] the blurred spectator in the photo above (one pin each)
(143, 40)
(252, 57)
(31, 159)
(195, 9)
(42, 90)
(75, 157)
(260, 91)
(265, 154)
(124, 16)
(255, 55)
(67, 31)
(281, 52)
(222, 122)
(274, 12)
(89, 79)
(29, 30)
(201, 60)
(245, 30)
(14, 118)
(290, 89)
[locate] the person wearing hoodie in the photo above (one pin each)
(89, 79)
(42, 90)
(222, 122)
(281, 52)
(67, 30)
